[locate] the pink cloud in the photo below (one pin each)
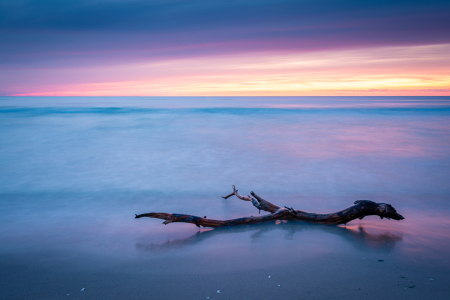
(418, 70)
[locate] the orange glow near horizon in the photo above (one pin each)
(395, 71)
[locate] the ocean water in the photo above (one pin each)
(75, 170)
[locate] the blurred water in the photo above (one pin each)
(75, 170)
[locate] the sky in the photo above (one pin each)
(224, 48)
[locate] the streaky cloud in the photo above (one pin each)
(101, 31)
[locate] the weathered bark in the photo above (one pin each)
(359, 210)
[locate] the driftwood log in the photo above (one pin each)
(359, 210)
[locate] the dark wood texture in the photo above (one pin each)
(359, 210)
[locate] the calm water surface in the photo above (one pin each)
(75, 170)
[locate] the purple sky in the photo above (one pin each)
(43, 39)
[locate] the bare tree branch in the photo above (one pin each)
(359, 210)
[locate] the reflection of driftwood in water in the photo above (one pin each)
(360, 239)
(361, 209)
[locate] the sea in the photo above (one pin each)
(74, 171)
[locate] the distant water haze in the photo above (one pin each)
(333, 147)
(75, 170)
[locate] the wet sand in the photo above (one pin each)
(369, 259)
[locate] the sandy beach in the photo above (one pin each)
(368, 259)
